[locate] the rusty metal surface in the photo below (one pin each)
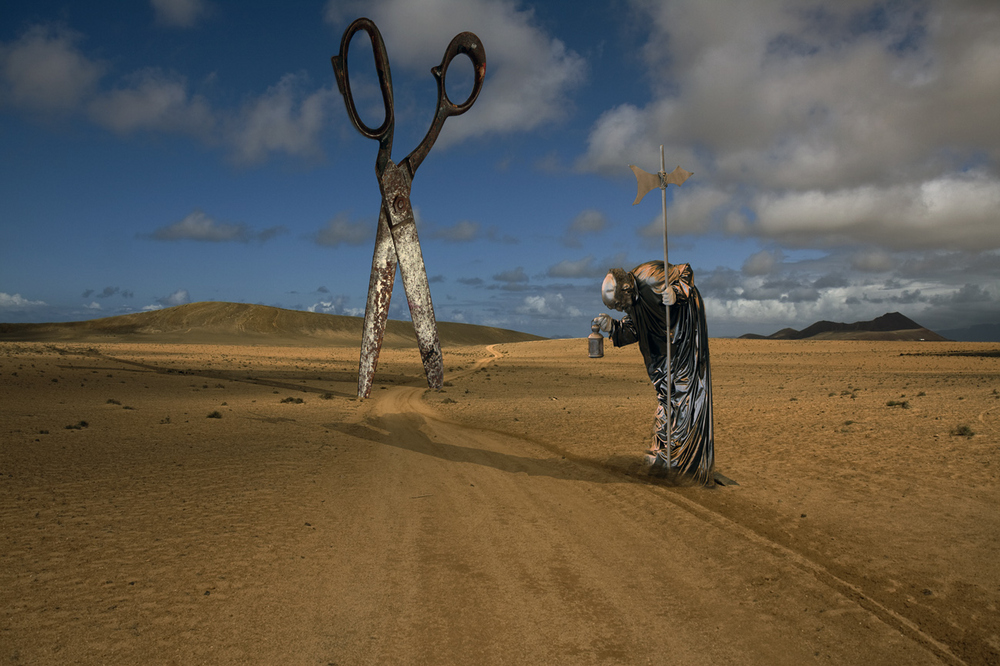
(377, 307)
(397, 241)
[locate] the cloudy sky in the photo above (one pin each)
(846, 157)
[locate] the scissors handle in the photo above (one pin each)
(382, 133)
(469, 44)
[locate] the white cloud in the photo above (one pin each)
(284, 119)
(155, 101)
(529, 74)
(553, 305)
(93, 305)
(692, 210)
(17, 301)
(340, 230)
(590, 221)
(200, 227)
(762, 263)
(872, 261)
(179, 13)
(337, 306)
(951, 212)
(857, 124)
(179, 297)
(512, 276)
(462, 231)
(44, 71)
(575, 269)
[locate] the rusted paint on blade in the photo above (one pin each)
(418, 294)
(377, 309)
(395, 186)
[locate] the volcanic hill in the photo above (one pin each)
(241, 323)
(890, 326)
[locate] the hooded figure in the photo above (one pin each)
(640, 294)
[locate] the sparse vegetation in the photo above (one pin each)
(905, 404)
(78, 426)
(112, 401)
(962, 430)
(294, 401)
(215, 415)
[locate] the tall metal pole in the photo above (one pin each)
(646, 182)
(666, 286)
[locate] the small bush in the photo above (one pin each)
(294, 401)
(215, 415)
(962, 431)
(112, 401)
(905, 404)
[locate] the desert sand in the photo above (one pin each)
(223, 504)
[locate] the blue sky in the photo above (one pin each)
(846, 157)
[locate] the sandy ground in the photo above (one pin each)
(178, 504)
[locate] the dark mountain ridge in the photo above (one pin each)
(890, 326)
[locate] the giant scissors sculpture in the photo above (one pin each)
(396, 240)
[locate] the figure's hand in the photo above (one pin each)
(669, 297)
(604, 322)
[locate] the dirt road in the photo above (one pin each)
(389, 534)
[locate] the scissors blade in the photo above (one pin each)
(418, 295)
(377, 309)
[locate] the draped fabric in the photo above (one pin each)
(693, 456)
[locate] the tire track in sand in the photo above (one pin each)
(535, 538)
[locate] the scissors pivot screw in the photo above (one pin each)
(400, 204)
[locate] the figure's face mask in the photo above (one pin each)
(618, 290)
(608, 291)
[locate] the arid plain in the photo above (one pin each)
(236, 503)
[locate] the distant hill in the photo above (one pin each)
(241, 323)
(890, 326)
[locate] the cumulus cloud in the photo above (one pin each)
(514, 275)
(341, 230)
(550, 305)
(17, 301)
(198, 226)
(694, 209)
(179, 13)
(567, 268)
(44, 71)
(529, 73)
(153, 100)
(179, 297)
(463, 231)
(590, 221)
(107, 292)
(336, 305)
(762, 263)
(854, 124)
(286, 118)
(952, 212)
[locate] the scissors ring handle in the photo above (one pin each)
(384, 77)
(469, 44)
